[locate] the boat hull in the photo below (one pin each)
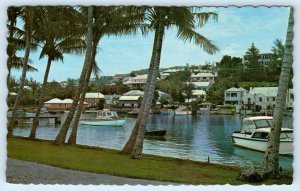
(183, 112)
(156, 133)
(244, 140)
(114, 122)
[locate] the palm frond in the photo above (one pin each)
(190, 35)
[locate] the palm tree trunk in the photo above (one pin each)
(272, 153)
(73, 136)
(138, 147)
(61, 137)
(11, 124)
(41, 101)
(129, 146)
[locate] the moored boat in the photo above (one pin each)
(183, 111)
(255, 132)
(155, 132)
(104, 118)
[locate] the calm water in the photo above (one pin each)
(188, 137)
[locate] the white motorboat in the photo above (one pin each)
(183, 111)
(104, 118)
(255, 132)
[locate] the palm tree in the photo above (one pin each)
(272, 153)
(108, 21)
(161, 18)
(55, 43)
(61, 137)
(30, 17)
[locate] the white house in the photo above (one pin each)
(265, 97)
(205, 86)
(233, 96)
(130, 101)
(203, 77)
(137, 82)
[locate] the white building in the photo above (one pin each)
(265, 97)
(203, 77)
(233, 96)
(205, 86)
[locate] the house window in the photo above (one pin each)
(249, 99)
(260, 99)
(233, 94)
(227, 94)
(274, 99)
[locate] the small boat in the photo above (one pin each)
(155, 132)
(104, 118)
(182, 110)
(255, 132)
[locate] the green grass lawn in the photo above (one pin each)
(106, 161)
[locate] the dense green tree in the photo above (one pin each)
(255, 71)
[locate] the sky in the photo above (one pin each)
(233, 33)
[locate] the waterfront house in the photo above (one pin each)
(203, 77)
(265, 97)
(129, 101)
(56, 104)
(92, 98)
(233, 96)
(248, 101)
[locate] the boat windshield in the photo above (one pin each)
(262, 123)
(287, 135)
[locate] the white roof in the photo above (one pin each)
(54, 100)
(171, 71)
(65, 101)
(134, 93)
(129, 98)
(233, 89)
(267, 91)
(201, 84)
(203, 75)
(94, 95)
(140, 77)
(12, 93)
(198, 92)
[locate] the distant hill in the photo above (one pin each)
(145, 71)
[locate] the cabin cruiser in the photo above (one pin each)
(104, 118)
(255, 132)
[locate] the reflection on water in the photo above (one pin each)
(189, 137)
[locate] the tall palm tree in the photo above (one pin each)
(61, 137)
(272, 153)
(30, 17)
(161, 18)
(108, 21)
(56, 41)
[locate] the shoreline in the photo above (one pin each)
(111, 162)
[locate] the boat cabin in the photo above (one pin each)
(263, 133)
(106, 114)
(252, 123)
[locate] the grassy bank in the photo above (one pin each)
(98, 160)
